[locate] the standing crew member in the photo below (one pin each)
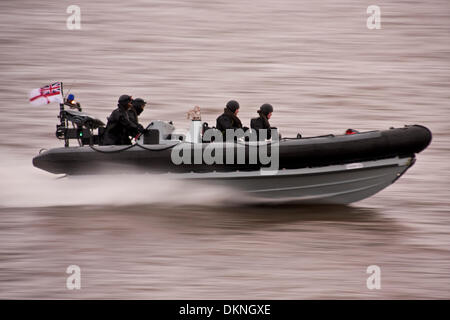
(137, 106)
(119, 127)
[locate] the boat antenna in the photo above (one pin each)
(70, 88)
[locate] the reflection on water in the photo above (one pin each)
(138, 237)
(189, 252)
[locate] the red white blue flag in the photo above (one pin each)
(47, 94)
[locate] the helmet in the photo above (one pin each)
(138, 102)
(232, 105)
(124, 99)
(70, 97)
(266, 109)
(138, 105)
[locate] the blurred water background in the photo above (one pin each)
(136, 237)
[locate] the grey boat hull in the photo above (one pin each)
(336, 184)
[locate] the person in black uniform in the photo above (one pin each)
(119, 127)
(262, 122)
(229, 119)
(137, 106)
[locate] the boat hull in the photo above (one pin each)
(337, 184)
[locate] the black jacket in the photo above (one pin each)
(228, 120)
(261, 123)
(133, 116)
(120, 127)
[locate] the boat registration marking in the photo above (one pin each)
(354, 166)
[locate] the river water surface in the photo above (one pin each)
(139, 237)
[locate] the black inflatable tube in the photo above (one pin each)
(293, 153)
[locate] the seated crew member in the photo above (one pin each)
(137, 106)
(119, 126)
(70, 101)
(229, 119)
(262, 122)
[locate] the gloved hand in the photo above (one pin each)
(141, 129)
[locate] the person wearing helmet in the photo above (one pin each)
(137, 106)
(119, 127)
(262, 122)
(229, 119)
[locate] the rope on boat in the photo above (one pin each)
(112, 151)
(129, 147)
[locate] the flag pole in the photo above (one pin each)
(63, 118)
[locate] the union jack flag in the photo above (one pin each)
(47, 94)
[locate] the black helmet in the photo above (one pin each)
(124, 100)
(138, 102)
(266, 109)
(232, 105)
(138, 105)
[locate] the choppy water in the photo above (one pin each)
(137, 237)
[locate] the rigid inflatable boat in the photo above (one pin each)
(331, 169)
